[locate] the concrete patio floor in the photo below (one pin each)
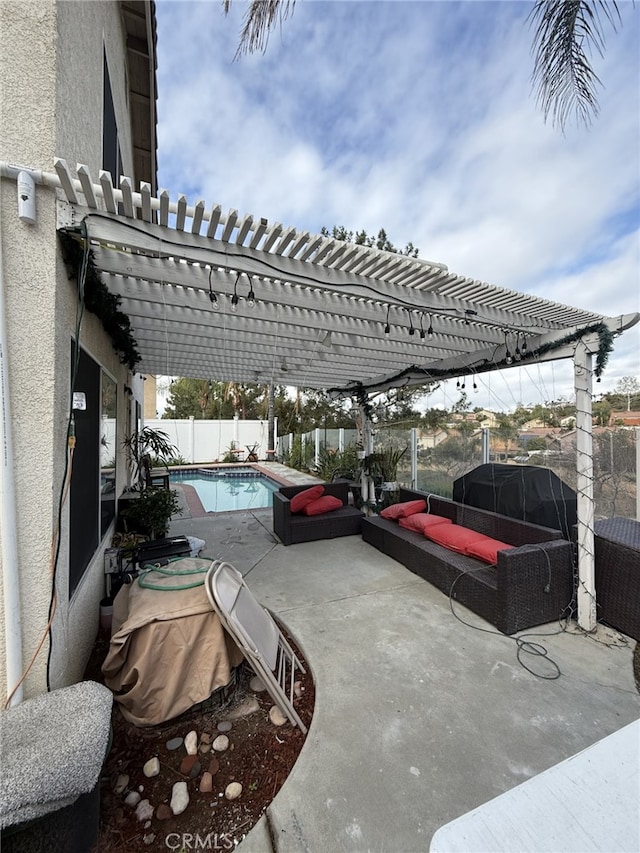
(418, 718)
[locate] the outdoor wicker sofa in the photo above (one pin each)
(617, 563)
(292, 528)
(531, 584)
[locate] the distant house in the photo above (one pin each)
(78, 80)
(428, 440)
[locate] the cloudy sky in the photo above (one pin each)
(417, 117)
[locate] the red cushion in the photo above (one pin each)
(298, 502)
(453, 536)
(487, 549)
(403, 510)
(327, 503)
(421, 520)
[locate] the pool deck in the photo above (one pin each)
(419, 718)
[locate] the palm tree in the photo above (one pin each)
(259, 19)
(566, 30)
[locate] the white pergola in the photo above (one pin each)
(214, 294)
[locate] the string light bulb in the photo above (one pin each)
(212, 296)
(518, 354)
(234, 298)
(251, 297)
(508, 357)
(387, 328)
(412, 331)
(430, 329)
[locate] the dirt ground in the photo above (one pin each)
(260, 757)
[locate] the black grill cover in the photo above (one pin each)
(525, 492)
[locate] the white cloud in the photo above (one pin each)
(419, 118)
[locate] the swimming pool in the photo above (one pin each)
(226, 489)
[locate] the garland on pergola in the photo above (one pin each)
(360, 392)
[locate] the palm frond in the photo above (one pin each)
(566, 33)
(259, 19)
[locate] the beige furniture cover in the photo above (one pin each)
(168, 648)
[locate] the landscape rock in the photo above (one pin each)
(132, 799)
(233, 790)
(174, 743)
(187, 763)
(191, 743)
(214, 766)
(121, 784)
(179, 797)
(144, 810)
(257, 684)
(297, 689)
(205, 737)
(149, 838)
(248, 706)
(206, 783)
(151, 767)
(205, 747)
(163, 812)
(276, 716)
(221, 743)
(224, 726)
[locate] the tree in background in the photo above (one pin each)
(361, 238)
(628, 387)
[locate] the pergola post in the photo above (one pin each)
(584, 461)
(367, 488)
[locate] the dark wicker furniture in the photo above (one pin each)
(617, 565)
(293, 528)
(530, 585)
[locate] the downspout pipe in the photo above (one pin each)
(8, 526)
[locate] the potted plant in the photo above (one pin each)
(151, 513)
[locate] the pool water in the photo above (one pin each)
(224, 490)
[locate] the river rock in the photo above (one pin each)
(249, 706)
(188, 763)
(151, 767)
(144, 810)
(121, 784)
(224, 726)
(132, 799)
(179, 797)
(191, 743)
(257, 684)
(221, 743)
(206, 783)
(174, 743)
(276, 716)
(163, 812)
(214, 766)
(233, 790)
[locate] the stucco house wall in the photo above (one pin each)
(51, 68)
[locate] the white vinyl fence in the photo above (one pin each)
(202, 441)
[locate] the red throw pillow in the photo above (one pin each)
(403, 510)
(452, 536)
(421, 520)
(327, 503)
(298, 502)
(487, 549)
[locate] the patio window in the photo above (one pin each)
(92, 493)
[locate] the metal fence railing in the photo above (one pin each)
(433, 466)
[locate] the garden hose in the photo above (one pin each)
(169, 572)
